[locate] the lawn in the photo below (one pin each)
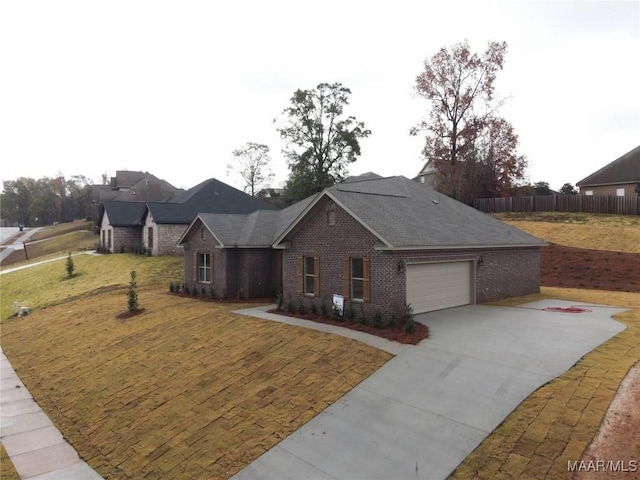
(617, 233)
(187, 389)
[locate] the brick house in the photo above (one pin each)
(620, 177)
(378, 243)
(157, 226)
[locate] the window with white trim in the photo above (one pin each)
(204, 267)
(589, 192)
(357, 279)
(309, 275)
(619, 192)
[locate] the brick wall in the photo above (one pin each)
(255, 271)
(504, 272)
(166, 238)
(126, 239)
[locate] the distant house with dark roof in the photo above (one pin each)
(157, 226)
(135, 186)
(378, 243)
(620, 177)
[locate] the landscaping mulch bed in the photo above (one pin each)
(592, 269)
(395, 333)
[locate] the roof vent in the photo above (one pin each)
(436, 201)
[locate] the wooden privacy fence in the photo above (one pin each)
(561, 203)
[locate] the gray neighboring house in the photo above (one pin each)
(378, 243)
(620, 177)
(157, 226)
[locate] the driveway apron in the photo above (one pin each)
(421, 414)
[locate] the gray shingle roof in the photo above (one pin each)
(625, 169)
(407, 214)
(258, 229)
(211, 196)
(402, 213)
(124, 214)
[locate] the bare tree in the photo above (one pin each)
(251, 162)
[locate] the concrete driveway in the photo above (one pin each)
(421, 414)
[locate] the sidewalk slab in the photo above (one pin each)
(32, 442)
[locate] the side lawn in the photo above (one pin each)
(185, 390)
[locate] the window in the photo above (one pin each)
(589, 192)
(422, 179)
(356, 278)
(331, 218)
(204, 267)
(204, 233)
(150, 238)
(109, 239)
(309, 275)
(619, 192)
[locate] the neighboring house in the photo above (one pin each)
(620, 177)
(134, 186)
(273, 196)
(121, 225)
(160, 225)
(379, 243)
(427, 175)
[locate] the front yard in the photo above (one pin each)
(186, 389)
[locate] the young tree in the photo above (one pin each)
(132, 294)
(252, 164)
(321, 141)
(568, 189)
(473, 150)
(70, 266)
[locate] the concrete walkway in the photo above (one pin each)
(422, 413)
(36, 447)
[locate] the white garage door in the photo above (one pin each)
(434, 286)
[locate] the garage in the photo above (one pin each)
(434, 286)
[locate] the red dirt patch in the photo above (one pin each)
(614, 450)
(592, 269)
(396, 333)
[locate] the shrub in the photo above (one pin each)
(280, 297)
(302, 308)
(212, 293)
(377, 319)
(203, 291)
(132, 294)
(70, 266)
(171, 287)
(225, 295)
(314, 308)
(194, 290)
(362, 318)
(350, 313)
(392, 320)
(324, 311)
(409, 321)
(241, 295)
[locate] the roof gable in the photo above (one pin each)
(210, 196)
(625, 169)
(125, 214)
(404, 215)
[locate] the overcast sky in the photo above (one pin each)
(173, 88)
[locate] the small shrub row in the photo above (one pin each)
(351, 314)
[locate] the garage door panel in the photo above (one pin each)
(434, 286)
